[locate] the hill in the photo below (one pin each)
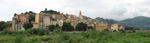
(139, 21)
(109, 21)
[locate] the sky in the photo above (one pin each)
(109, 9)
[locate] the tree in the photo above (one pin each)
(131, 28)
(90, 27)
(51, 27)
(15, 14)
(45, 9)
(28, 25)
(67, 26)
(50, 11)
(37, 31)
(81, 27)
(32, 17)
(57, 26)
(3, 25)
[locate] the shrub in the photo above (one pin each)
(90, 28)
(5, 31)
(51, 27)
(37, 31)
(81, 26)
(18, 39)
(17, 32)
(27, 25)
(67, 26)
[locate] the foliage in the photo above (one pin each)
(53, 19)
(81, 26)
(37, 31)
(90, 27)
(18, 39)
(67, 26)
(5, 31)
(4, 25)
(50, 11)
(28, 25)
(51, 27)
(131, 28)
(17, 32)
(57, 26)
(82, 37)
(15, 14)
(32, 17)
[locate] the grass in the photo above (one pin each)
(84, 37)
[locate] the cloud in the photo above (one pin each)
(113, 9)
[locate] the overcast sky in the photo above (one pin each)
(112, 9)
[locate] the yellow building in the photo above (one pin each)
(102, 27)
(38, 21)
(116, 27)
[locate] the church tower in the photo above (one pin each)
(80, 15)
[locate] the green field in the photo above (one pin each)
(83, 37)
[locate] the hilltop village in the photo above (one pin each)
(43, 19)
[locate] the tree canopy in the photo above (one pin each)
(90, 27)
(81, 26)
(32, 17)
(28, 25)
(131, 28)
(53, 27)
(4, 25)
(67, 26)
(50, 11)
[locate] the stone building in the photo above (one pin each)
(116, 27)
(43, 20)
(101, 26)
(19, 20)
(39, 21)
(46, 21)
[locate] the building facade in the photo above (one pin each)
(43, 20)
(19, 20)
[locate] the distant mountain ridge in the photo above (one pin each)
(139, 21)
(109, 21)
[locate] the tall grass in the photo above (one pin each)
(83, 37)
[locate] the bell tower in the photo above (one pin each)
(80, 15)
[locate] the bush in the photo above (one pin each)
(18, 39)
(5, 31)
(67, 26)
(90, 28)
(17, 32)
(37, 31)
(51, 27)
(27, 25)
(82, 26)
(131, 28)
